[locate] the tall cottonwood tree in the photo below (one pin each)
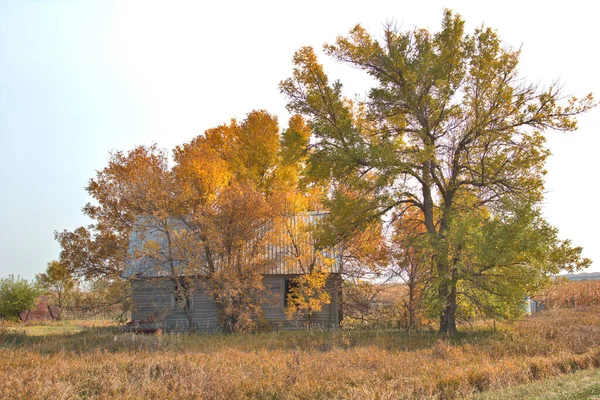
(450, 129)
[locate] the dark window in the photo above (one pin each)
(178, 298)
(289, 284)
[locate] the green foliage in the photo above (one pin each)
(16, 296)
(449, 130)
(57, 281)
(499, 260)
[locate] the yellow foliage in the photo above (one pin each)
(308, 295)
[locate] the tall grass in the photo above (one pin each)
(572, 294)
(103, 362)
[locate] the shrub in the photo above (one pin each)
(16, 296)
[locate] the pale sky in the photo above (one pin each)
(79, 78)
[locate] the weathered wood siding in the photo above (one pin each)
(155, 298)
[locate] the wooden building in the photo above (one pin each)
(154, 303)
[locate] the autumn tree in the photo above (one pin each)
(127, 187)
(410, 260)
(57, 281)
(229, 176)
(297, 189)
(136, 195)
(198, 222)
(236, 261)
(450, 129)
(194, 224)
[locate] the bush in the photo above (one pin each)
(16, 296)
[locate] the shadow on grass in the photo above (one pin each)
(115, 339)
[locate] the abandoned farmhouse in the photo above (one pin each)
(154, 280)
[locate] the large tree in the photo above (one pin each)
(450, 129)
(230, 179)
(201, 221)
(133, 183)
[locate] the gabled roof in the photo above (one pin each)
(288, 247)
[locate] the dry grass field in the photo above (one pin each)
(570, 294)
(68, 360)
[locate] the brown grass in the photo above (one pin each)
(570, 294)
(102, 362)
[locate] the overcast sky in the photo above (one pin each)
(79, 78)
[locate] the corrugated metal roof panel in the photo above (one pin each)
(288, 249)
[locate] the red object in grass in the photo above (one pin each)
(42, 311)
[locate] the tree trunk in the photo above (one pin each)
(309, 319)
(446, 291)
(225, 321)
(448, 313)
(447, 283)
(189, 316)
(411, 306)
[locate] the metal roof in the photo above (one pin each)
(289, 248)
